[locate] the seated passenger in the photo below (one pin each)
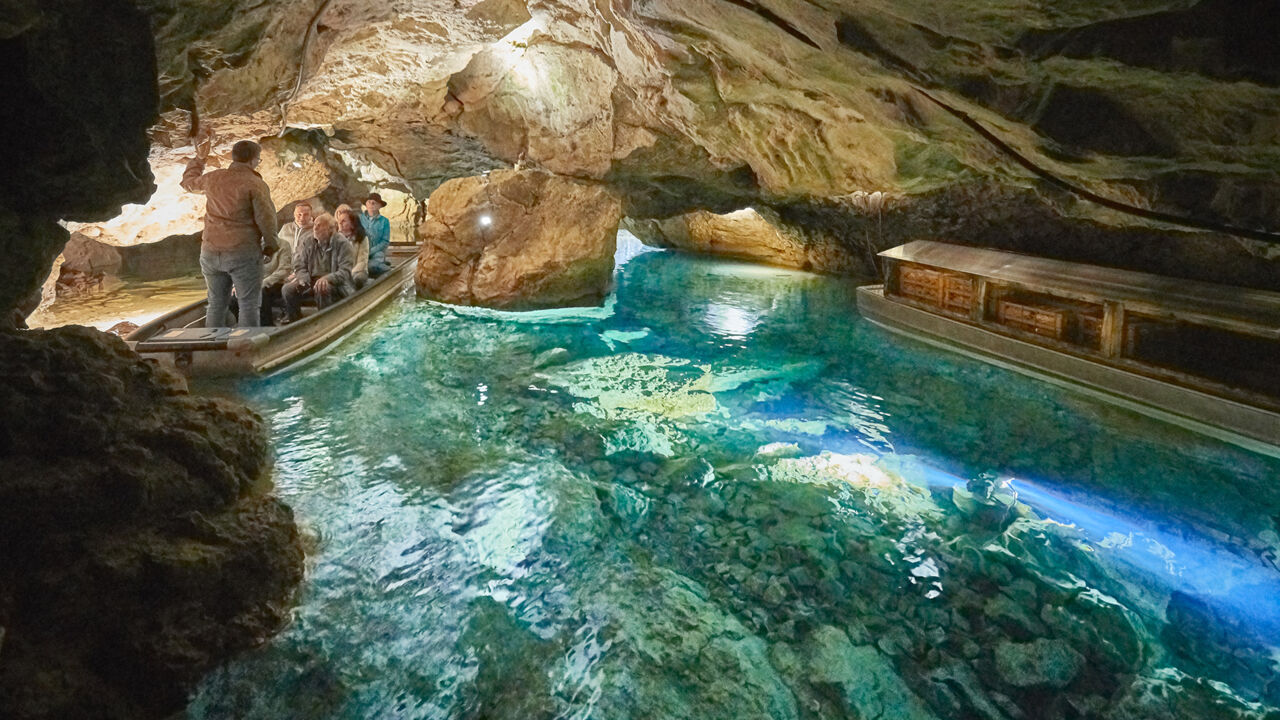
(345, 209)
(378, 228)
(321, 269)
(349, 227)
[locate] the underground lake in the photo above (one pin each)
(725, 495)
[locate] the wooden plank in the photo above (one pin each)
(1038, 319)
(1112, 330)
(978, 312)
(1243, 310)
(957, 293)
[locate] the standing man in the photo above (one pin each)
(239, 228)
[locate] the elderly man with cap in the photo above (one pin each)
(239, 228)
(378, 229)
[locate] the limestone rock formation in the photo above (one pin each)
(706, 105)
(518, 240)
(977, 121)
(294, 167)
(753, 235)
(140, 545)
(79, 98)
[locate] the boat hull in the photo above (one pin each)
(271, 348)
(1256, 429)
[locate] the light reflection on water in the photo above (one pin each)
(133, 300)
(671, 502)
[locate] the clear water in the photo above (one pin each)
(128, 299)
(726, 496)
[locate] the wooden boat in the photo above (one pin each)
(179, 340)
(1201, 355)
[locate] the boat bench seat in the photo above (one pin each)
(175, 339)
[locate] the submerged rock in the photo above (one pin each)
(1040, 663)
(141, 548)
(518, 240)
(868, 685)
(675, 653)
(1168, 694)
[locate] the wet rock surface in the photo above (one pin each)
(755, 236)
(141, 545)
(518, 240)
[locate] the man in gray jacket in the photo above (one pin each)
(322, 264)
(239, 228)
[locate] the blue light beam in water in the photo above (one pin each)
(1189, 561)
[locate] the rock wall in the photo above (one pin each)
(713, 105)
(755, 236)
(141, 547)
(79, 96)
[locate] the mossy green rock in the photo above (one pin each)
(1040, 663)
(867, 682)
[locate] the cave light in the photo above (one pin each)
(513, 45)
(742, 214)
(486, 220)
(1188, 560)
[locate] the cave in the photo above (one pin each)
(701, 359)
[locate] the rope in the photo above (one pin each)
(302, 65)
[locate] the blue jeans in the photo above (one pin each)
(223, 269)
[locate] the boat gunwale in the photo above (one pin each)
(1155, 372)
(1045, 363)
(149, 330)
(305, 334)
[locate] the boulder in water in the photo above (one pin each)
(518, 240)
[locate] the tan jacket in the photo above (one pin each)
(238, 207)
(276, 269)
(288, 238)
(359, 256)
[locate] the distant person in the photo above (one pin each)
(239, 228)
(378, 228)
(321, 268)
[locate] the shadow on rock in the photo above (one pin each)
(141, 548)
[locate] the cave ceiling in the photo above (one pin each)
(984, 121)
(1169, 104)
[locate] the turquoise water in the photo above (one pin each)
(724, 495)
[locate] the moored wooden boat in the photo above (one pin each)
(179, 340)
(1201, 355)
